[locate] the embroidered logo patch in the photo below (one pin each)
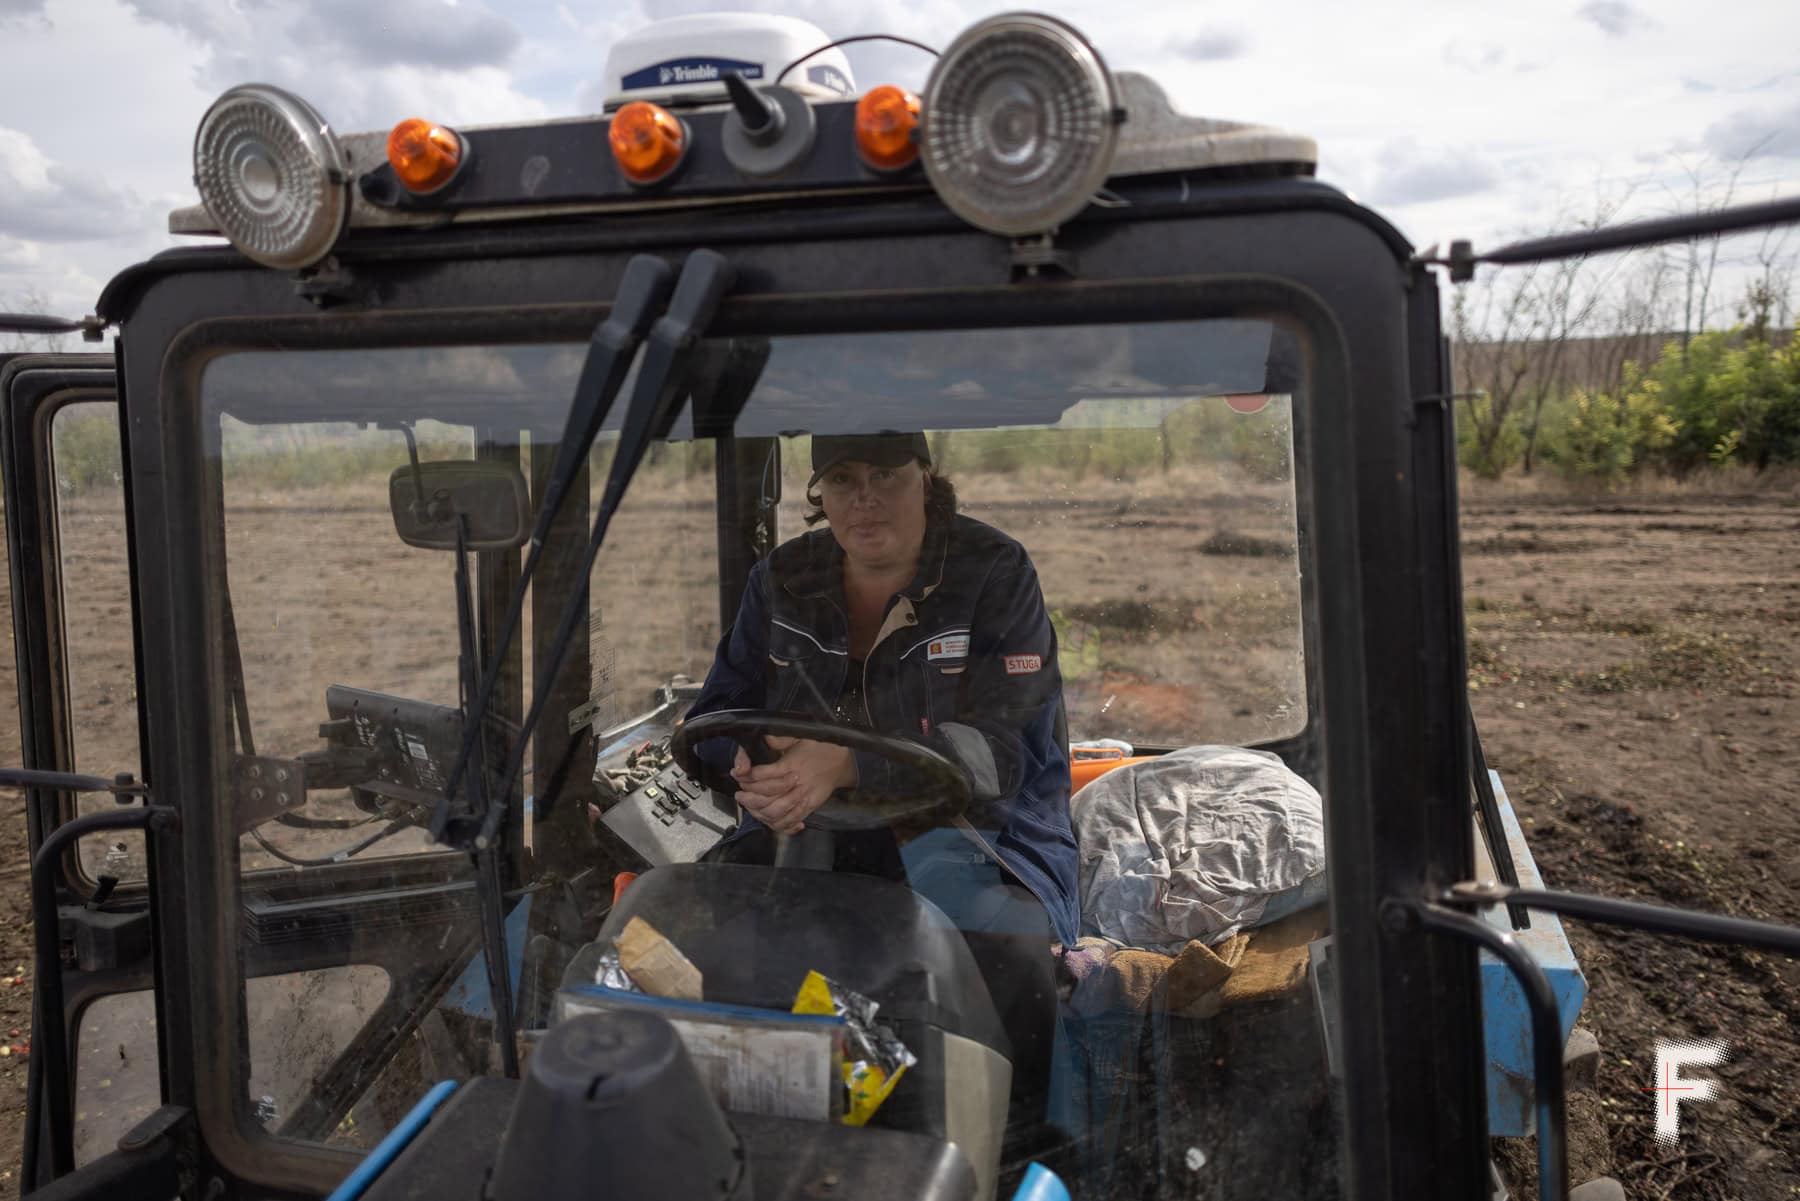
(950, 646)
(1023, 665)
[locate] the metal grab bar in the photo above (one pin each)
(1546, 1032)
(51, 1038)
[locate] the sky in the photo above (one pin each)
(1452, 118)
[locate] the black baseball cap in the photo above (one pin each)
(886, 449)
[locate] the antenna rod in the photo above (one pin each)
(1462, 259)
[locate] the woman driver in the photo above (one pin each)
(909, 619)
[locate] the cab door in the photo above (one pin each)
(72, 593)
(80, 670)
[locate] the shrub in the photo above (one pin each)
(1484, 446)
(1607, 438)
(1734, 399)
(86, 448)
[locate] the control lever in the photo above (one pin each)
(812, 848)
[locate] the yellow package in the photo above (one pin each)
(869, 1086)
(814, 996)
(874, 1060)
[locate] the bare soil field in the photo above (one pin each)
(1635, 670)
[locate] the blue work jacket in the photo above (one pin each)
(965, 661)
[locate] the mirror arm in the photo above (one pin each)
(418, 476)
(487, 857)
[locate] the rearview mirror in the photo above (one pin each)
(427, 499)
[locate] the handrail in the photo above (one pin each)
(51, 1035)
(1546, 1031)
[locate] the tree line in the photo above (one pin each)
(1601, 369)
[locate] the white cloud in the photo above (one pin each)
(1615, 18)
(423, 33)
(1759, 133)
(1413, 174)
(18, 255)
(1211, 45)
(22, 164)
(1472, 56)
(20, 12)
(1422, 112)
(363, 66)
(45, 201)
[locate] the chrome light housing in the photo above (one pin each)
(273, 176)
(1019, 124)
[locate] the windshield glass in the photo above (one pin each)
(1017, 561)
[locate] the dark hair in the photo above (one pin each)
(940, 500)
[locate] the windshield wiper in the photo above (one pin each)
(668, 360)
(661, 383)
(615, 343)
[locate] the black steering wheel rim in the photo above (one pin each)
(947, 793)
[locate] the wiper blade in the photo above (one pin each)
(641, 295)
(661, 382)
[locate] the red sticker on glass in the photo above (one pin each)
(1023, 665)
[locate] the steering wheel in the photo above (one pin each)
(946, 793)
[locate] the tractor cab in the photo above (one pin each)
(367, 598)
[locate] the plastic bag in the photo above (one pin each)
(610, 973)
(874, 1057)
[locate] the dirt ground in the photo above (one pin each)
(1635, 670)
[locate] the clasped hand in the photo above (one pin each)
(783, 794)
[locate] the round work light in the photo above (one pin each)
(272, 175)
(1019, 124)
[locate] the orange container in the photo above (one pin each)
(1086, 770)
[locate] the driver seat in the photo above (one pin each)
(755, 932)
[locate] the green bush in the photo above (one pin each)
(1733, 398)
(1484, 447)
(1262, 445)
(85, 444)
(1607, 438)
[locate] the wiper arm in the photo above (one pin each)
(615, 342)
(661, 382)
(487, 861)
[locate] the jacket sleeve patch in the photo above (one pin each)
(1023, 665)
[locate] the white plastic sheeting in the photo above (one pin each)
(1193, 844)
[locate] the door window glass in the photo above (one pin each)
(94, 586)
(117, 1083)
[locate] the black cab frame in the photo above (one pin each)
(215, 349)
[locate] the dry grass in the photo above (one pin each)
(1545, 485)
